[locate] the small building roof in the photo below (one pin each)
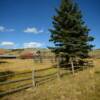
(8, 56)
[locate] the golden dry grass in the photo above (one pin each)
(22, 65)
(19, 65)
(84, 85)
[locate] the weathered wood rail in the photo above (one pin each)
(20, 73)
(33, 78)
(22, 87)
(14, 81)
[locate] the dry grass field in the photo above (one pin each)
(19, 65)
(84, 85)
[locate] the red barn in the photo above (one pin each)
(27, 55)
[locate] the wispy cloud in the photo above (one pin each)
(33, 30)
(10, 30)
(32, 45)
(7, 43)
(4, 29)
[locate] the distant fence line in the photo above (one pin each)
(26, 57)
(36, 59)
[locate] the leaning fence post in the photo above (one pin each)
(33, 78)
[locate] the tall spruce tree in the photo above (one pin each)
(69, 33)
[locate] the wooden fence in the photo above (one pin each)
(30, 79)
(33, 76)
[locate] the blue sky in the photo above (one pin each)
(25, 23)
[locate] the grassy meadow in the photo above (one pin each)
(84, 85)
(18, 65)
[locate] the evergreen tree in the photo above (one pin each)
(69, 33)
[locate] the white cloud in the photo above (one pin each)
(33, 30)
(4, 29)
(7, 43)
(32, 45)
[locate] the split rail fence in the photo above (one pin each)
(29, 79)
(25, 80)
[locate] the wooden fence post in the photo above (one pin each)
(72, 65)
(33, 78)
